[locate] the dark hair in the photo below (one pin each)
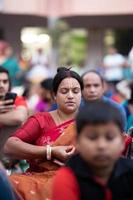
(3, 70)
(47, 84)
(63, 73)
(95, 72)
(99, 112)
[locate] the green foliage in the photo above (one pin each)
(70, 44)
(73, 47)
(57, 30)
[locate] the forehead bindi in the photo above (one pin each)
(69, 83)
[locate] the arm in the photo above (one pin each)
(14, 117)
(15, 114)
(21, 144)
(18, 149)
(65, 185)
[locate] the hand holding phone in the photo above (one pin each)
(10, 96)
(8, 102)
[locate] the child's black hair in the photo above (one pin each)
(98, 112)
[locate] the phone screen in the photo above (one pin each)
(10, 96)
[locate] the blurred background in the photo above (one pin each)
(37, 36)
(80, 31)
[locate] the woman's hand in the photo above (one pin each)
(63, 152)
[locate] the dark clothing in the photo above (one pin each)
(6, 191)
(119, 186)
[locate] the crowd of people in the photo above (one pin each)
(69, 130)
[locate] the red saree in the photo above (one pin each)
(37, 186)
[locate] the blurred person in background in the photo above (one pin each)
(130, 60)
(122, 92)
(12, 113)
(39, 67)
(46, 101)
(39, 58)
(113, 63)
(6, 190)
(10, 63)
(47, 139)
(94, 90)
(30, 93)
(128, 105)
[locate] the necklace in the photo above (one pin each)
(59, 118)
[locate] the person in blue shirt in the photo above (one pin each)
(6, 190)
(94, 90)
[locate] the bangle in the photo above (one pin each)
(48, 152)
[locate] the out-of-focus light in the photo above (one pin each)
(30, 38)
(43, 38)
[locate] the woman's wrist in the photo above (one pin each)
(54, 152)
(48, 152)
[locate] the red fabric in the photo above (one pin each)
(117, 98)
(128, 140)
(108, 194)
(35, 128)
(65, 186)
(52, 134)
(40, 130)
(20, 101)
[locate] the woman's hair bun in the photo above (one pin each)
(62, 73)
(62, 69)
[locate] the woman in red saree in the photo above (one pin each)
(47, 139)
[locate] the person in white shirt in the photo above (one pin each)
(113, 63)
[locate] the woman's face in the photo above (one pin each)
(68, 95)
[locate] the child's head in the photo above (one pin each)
(99, 133)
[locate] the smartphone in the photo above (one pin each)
(10, 96)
